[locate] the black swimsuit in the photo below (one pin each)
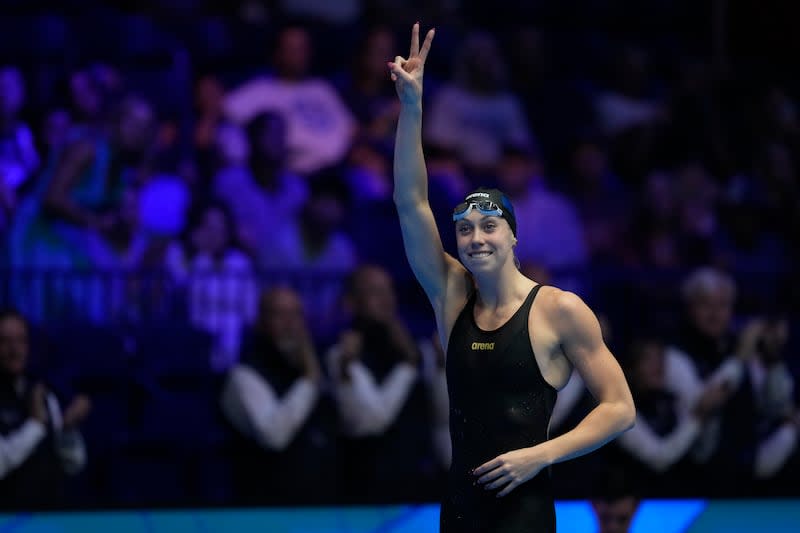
(499, 402)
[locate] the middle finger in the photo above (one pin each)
(494, 474)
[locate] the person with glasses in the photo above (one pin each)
(507, 351)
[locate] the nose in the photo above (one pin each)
(477, 238)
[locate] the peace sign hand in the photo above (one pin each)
(407, 73)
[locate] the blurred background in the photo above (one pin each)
(207, 301)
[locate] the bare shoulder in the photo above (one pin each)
(565, 311)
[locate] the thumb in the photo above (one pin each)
(397, 69)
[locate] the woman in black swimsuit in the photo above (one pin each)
(510, 343)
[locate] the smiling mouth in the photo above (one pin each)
(480, 254)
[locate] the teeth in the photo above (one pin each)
(481, 254)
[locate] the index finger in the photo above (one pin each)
(426, 46)
(487, 466)
(414, 40)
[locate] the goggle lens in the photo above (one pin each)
(484, 207)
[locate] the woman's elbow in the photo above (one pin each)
(627, 416)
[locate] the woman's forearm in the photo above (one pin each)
(603, 424)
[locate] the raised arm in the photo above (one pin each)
(423, 245)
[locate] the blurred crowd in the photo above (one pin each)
(202, 252)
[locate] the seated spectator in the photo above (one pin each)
(766, 374)
(615, 501)
(79, 194)
(39, 444)
(209, 95)
(272, 399)
(315, 239)
(656, 449)
(562, 247)
(218, 279)
(368, 92)
(602, 202)
(18, 155)
(320, 126)
(476, 114)
(381, 403)
(708, 351)
(434, 375)
(262, 194)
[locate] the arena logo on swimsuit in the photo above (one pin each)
(483, 346)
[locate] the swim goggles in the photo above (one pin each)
(484, 207)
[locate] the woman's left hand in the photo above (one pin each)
(510, 469)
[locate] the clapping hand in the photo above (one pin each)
(77, 411)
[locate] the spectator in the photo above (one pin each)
(39, 444)
(476, 114)
(656, 449)
(615, 502)
(320, 126)
(314, 240)
(374, 368)
(78, 197)
(18, 156)
(655, 223)
(520, 176)
(368, 92)
(209, 96)
(272, 398)
(602, 202)
(434, 375)
(218, 278)
(263, 195)
(761, 430)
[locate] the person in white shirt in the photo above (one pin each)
(665, 428)
(39, 444)
(320, 126)
(381, 403)
(477, 114)
(272, 399)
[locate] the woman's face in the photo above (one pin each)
(211, 236)
(649, 373)
(485, 243)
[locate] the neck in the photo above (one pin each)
(498, 290)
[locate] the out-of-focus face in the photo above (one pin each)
(710, 311)
(649, 370)
(773, 340)
(209, 94)
(485, 243)
(374, 294)
(615, 516)
(56, 127)
(380, 45)
(293, 56)
(85, 94)
(136, 126)
(212, 236)
(326, 212)
(12, 91)
(232, 145)
(283, 318)
(516, 174)
(14, 346)
(589, 163)
(659, 195)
